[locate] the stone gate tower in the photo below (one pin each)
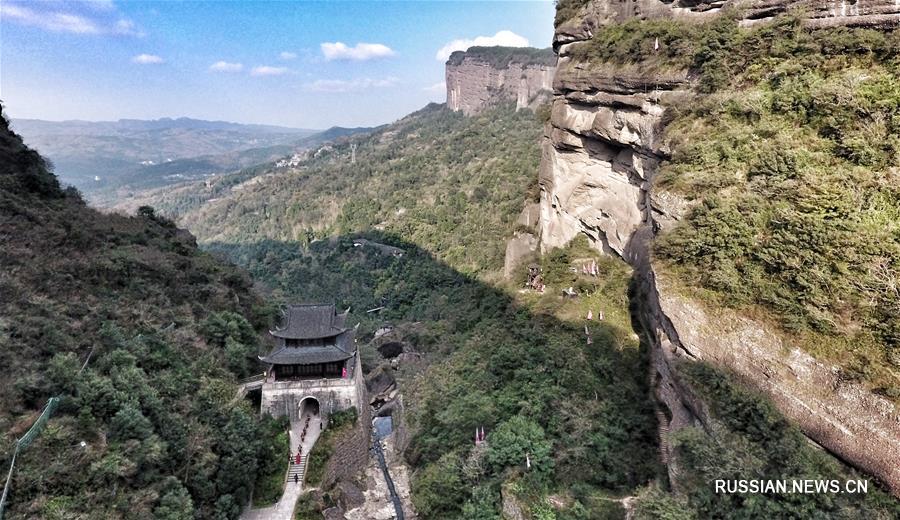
(315, 356)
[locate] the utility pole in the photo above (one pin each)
(352, 153)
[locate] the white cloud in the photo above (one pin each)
(437, 87)
(224, 66)
(352, 85)
(360, 52)
(502, 38)
(147, 59)
(59, 21)
(50, 21)
(288, 56)
(266, 70)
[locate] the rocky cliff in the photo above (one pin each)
(601, 150)
(483, 76)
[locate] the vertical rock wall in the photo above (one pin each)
(479, 78)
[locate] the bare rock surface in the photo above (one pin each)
(475, 82)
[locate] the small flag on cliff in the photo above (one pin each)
(590, 315)
(656, 44)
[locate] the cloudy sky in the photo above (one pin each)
(301, 64)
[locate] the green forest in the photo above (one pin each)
(142, 337)
(445, 182)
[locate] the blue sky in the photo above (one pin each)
(301, 64)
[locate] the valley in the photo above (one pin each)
(603, 276)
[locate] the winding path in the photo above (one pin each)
(284, 508)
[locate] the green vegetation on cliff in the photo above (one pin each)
(746, 438)
(786, 146)
(792, 165)
(789, 155)
(142, 335)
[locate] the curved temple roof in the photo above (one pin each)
(311, 321)
(341, 348)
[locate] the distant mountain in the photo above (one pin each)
(108, 192)
(96, 155)
(79, 127)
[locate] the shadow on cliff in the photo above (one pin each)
(486, 359)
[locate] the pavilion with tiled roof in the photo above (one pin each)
(313, 342)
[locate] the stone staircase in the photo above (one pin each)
(299, 470)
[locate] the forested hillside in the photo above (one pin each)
(142, 337)
(446, 189)
(448, 183)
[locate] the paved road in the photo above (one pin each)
(284, 508)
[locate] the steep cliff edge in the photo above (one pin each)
(485, 76)
(602, 153)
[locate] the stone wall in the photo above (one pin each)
(600, 152)
(475, 83)
(351, 451)
(283, 398)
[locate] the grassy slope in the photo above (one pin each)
(161, 321)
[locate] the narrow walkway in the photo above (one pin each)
(284, 508)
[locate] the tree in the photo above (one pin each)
(516, 439)
(175, 503)
(130, 423)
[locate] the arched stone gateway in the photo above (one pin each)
(308, 405)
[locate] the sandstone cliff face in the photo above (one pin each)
(477, 78)
(601, 150)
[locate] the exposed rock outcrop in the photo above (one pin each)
(525, 241)
(601, 150)
(483, 76)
